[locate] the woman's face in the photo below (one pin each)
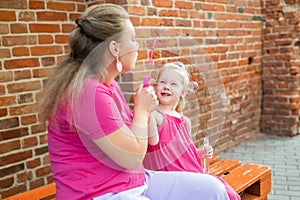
(169, 88)
(128, 47)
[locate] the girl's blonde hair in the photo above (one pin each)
(97, 24)
(179, 68)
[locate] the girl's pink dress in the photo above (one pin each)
(176, 151)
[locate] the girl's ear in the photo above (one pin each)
(114, 48)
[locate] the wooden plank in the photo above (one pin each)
(41, 193)
(222, 167)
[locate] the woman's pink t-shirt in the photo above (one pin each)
(80, 169)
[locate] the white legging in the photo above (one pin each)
(173, 186)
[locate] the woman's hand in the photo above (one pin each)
(145, 99)
(206, 152)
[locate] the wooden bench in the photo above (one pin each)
(251, 181)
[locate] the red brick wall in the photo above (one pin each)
(281, 68)
(220, 42)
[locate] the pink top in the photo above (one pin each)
(80, 169)
(175, 150)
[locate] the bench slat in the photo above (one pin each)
(45, 192)
(222, 167)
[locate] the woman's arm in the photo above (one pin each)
(127, 147)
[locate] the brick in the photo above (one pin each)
(25, 98)
(51, 16)
(22, 74)
(74, 16)
(41, 150)
(67, 28)
(61, 39)
(3, 112)
(26, 16)
(6, 76)
(46, 50)
(48, 61)
(21, 63)
(44, 28)
(136, 10)
(24, 176)
(151, 22)
(16, 4)
(46, 160)
(24, 109)
(52, 5)
(11, 170)
(18, 28)
(38, 128)
(7, 182)
(183, 5)
(184, 23)
(29, 142)
(13, 133)
(43, 171)
(44, 72)
(9, 123)
(36, 183)
(15, 157)
(26, 120)
(7, 100)
(45, 39)
(18, 40)
(9, 146)
(4, 29)
(23, 86)
(36, 4)
(20, 51)
(7, 15)
(165, 3)
(35, 162)
(43, 138)
(15, 190)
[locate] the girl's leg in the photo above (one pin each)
(184, 186)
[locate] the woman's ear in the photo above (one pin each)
(114, 48)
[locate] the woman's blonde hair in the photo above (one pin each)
(179, 68)
(97, 24)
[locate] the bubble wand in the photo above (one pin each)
(147, 78)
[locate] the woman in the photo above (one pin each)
(96, 144)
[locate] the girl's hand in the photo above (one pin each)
(208, 152)
(145, 99)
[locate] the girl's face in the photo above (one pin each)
(169, 88)
(128, 47)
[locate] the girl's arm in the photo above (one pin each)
(153, 137)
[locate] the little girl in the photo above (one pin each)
(175, 150)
